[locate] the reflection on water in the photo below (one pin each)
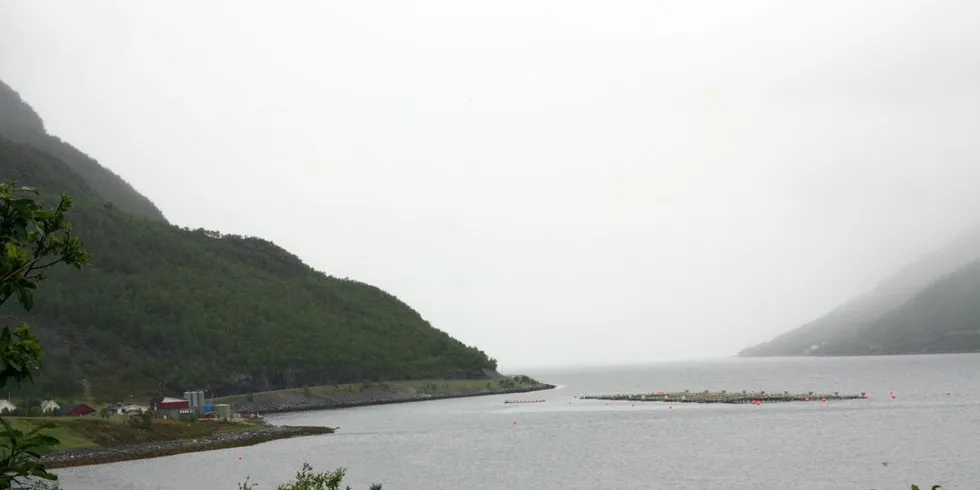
(924, 435)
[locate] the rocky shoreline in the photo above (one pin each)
(101, 455)
(284, 402)
(271, 402)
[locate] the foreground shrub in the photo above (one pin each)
(307, 479)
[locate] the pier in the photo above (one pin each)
(524, 401)
(727, 397)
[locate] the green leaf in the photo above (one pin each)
(26, 298)
(45, 440)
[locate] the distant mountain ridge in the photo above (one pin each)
(878, 321)
(163, 307)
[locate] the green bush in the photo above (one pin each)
(143, 421)
(307, 479)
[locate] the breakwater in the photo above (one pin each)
(524, 401)
(326, 398)
(102, 455)
(727, 397)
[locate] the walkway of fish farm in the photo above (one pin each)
(725, 397)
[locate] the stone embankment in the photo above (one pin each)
(726, 397)
(101, 455)
(377, 394)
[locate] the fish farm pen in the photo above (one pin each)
(726, 397)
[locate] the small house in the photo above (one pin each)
(6, 406)
(125, 409)
(132, 409)
(50, 406)
(81, 410)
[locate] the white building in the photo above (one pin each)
(6, 406)
(48, 406)
(132, 409)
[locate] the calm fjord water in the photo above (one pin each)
(924, 435)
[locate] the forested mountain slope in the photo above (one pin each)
(876, 322)
(167, 307)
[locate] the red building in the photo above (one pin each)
(173, 409)
(81, 410)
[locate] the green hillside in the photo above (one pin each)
(181, 308)
(923, 308)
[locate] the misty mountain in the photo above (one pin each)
(19, 122)
(926, 307)
(163, 306)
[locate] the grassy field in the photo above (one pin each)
(69, 438)
(428, 385)
(82, 432)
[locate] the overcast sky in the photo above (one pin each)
(557, 182)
